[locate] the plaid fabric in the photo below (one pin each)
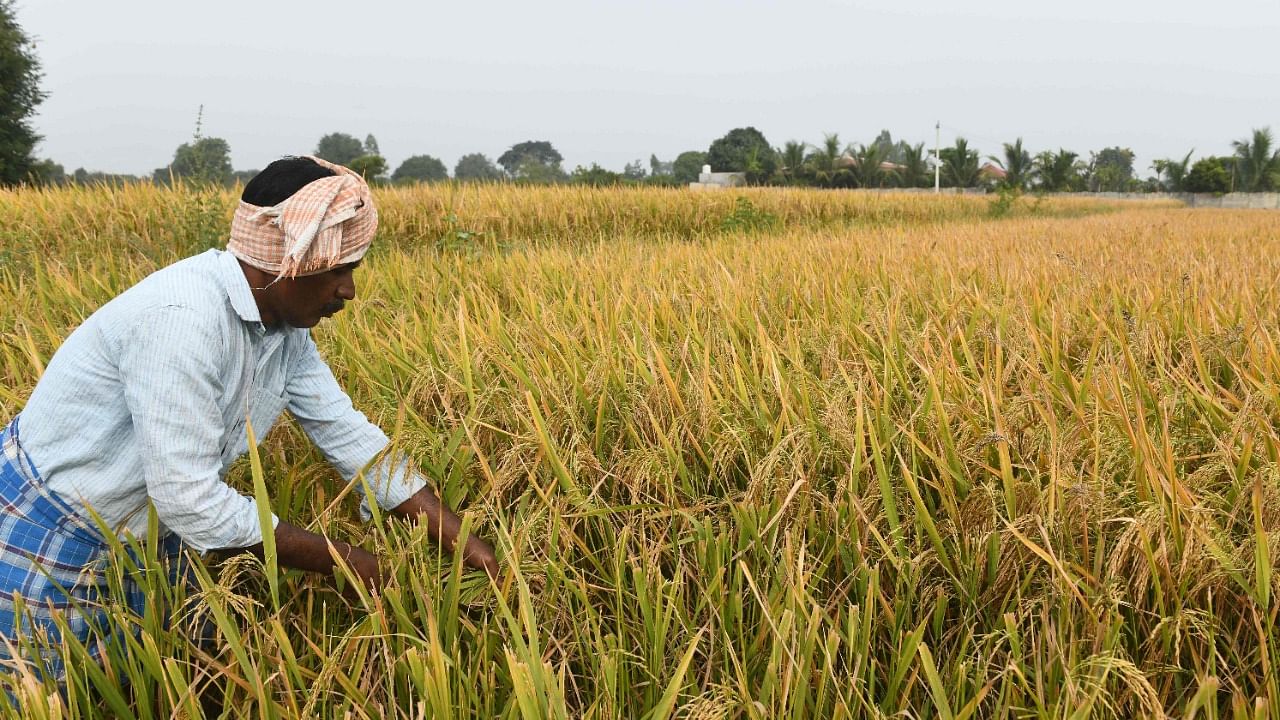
(329, 222)
(54, 560)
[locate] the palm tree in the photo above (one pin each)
(960, 165)
(822, 161)
(915, 167)
(1172, 171)
(1016, 165)
(792, 159)
(867, 171)
(1058, 172)
(754, 165)
(1256, 164)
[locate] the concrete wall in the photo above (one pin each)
(1233, 201)
(1241, 201)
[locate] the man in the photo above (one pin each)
(145, 404)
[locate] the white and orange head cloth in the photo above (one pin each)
(327, 223)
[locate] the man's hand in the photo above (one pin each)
(443, 526)
(479, 554)
(304, 550)
(363, 563)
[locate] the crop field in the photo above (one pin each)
(759, 454)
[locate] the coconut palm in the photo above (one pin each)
(960, 165)
(1058, 172)
(1257, 165)
(823, 161)
(791, 159)
(1016, 164)
(867, 168)
(915, 168)
(1172, 172)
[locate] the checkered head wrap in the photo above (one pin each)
(329, 222)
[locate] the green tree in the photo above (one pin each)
(47, 172)
(371, 145)
(1208, 175)
(744, 150)
(824, 161)
(1016, 164)
(595, 176)
(914, 165)
(1058, 172)
(960, 166)
(203, 160)
(867, 170)
(532, 158)
(1257, 165)
(340, 148)
(80, 176)
(534, 171)
(658, 168)
(888, 148)
(791, 161)
(1172, 172)
(420, 168)
(475, 167)
(20, 90)
(371, 167)
(688, 166)
(1110, 169)
(633, 170)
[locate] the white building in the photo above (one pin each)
(708, 180)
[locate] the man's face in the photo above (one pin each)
(301, 302)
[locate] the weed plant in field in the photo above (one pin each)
(893, 457)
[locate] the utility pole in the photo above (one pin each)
(937, 158)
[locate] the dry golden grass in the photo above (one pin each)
(811, 455)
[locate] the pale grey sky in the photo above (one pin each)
(611, 81)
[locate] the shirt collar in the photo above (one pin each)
(237, 286)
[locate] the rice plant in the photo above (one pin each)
(886, 456)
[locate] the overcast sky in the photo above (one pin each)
(614, 81)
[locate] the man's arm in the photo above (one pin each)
(304, 550)
(169, 369)
(349, 441)
(443, 525)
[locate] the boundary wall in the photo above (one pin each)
(1234, 201)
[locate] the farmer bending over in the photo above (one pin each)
(146, 402)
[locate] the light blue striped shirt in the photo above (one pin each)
(148, 399)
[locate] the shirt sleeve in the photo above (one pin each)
(345, 436)
(168, 364)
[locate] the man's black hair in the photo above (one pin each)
(281, 179)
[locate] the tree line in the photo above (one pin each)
(881, 163)
(885, 163)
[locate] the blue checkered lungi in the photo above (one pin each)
(56, 561)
